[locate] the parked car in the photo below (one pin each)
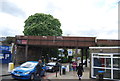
(52, 66)
(26, 70)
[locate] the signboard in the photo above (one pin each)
(21, 41)
(4, 56)
(7, 48)
(1, 56)
(73, 59)
(70, 52)
(24, 41)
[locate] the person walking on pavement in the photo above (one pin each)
(74, 65)
(80, 70)
(38, 70)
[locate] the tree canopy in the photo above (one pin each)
(41, 24)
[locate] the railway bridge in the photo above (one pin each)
(29, 46)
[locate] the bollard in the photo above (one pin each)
(64, 70)
(10, 67)
(67, 68)
(60, 69)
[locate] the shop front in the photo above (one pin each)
(107, 62)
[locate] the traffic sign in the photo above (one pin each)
(70, 52)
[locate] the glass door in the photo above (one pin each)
(110, 63)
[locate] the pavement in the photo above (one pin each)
(71, 75)
(4, 70)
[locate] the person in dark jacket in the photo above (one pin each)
(38, 69)
(80, 70)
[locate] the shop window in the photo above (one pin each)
(95, 71)
(116, 55)
(116, 74)
(97, 62)
(102, 62)
(107, 73)
(116, 62)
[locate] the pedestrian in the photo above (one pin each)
(38, 70)
(80, 70)
(74, 65)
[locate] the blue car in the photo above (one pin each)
(26, 71)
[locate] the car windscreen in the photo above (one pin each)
(28, 65)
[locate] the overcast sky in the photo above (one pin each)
(89, 18)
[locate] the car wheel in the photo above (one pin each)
(32, 77)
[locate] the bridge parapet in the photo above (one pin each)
(59, 41)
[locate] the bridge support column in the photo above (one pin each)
(26, 52)
(82, 53)
(86, 54)
(76, 50)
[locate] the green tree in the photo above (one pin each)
(41, 24)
